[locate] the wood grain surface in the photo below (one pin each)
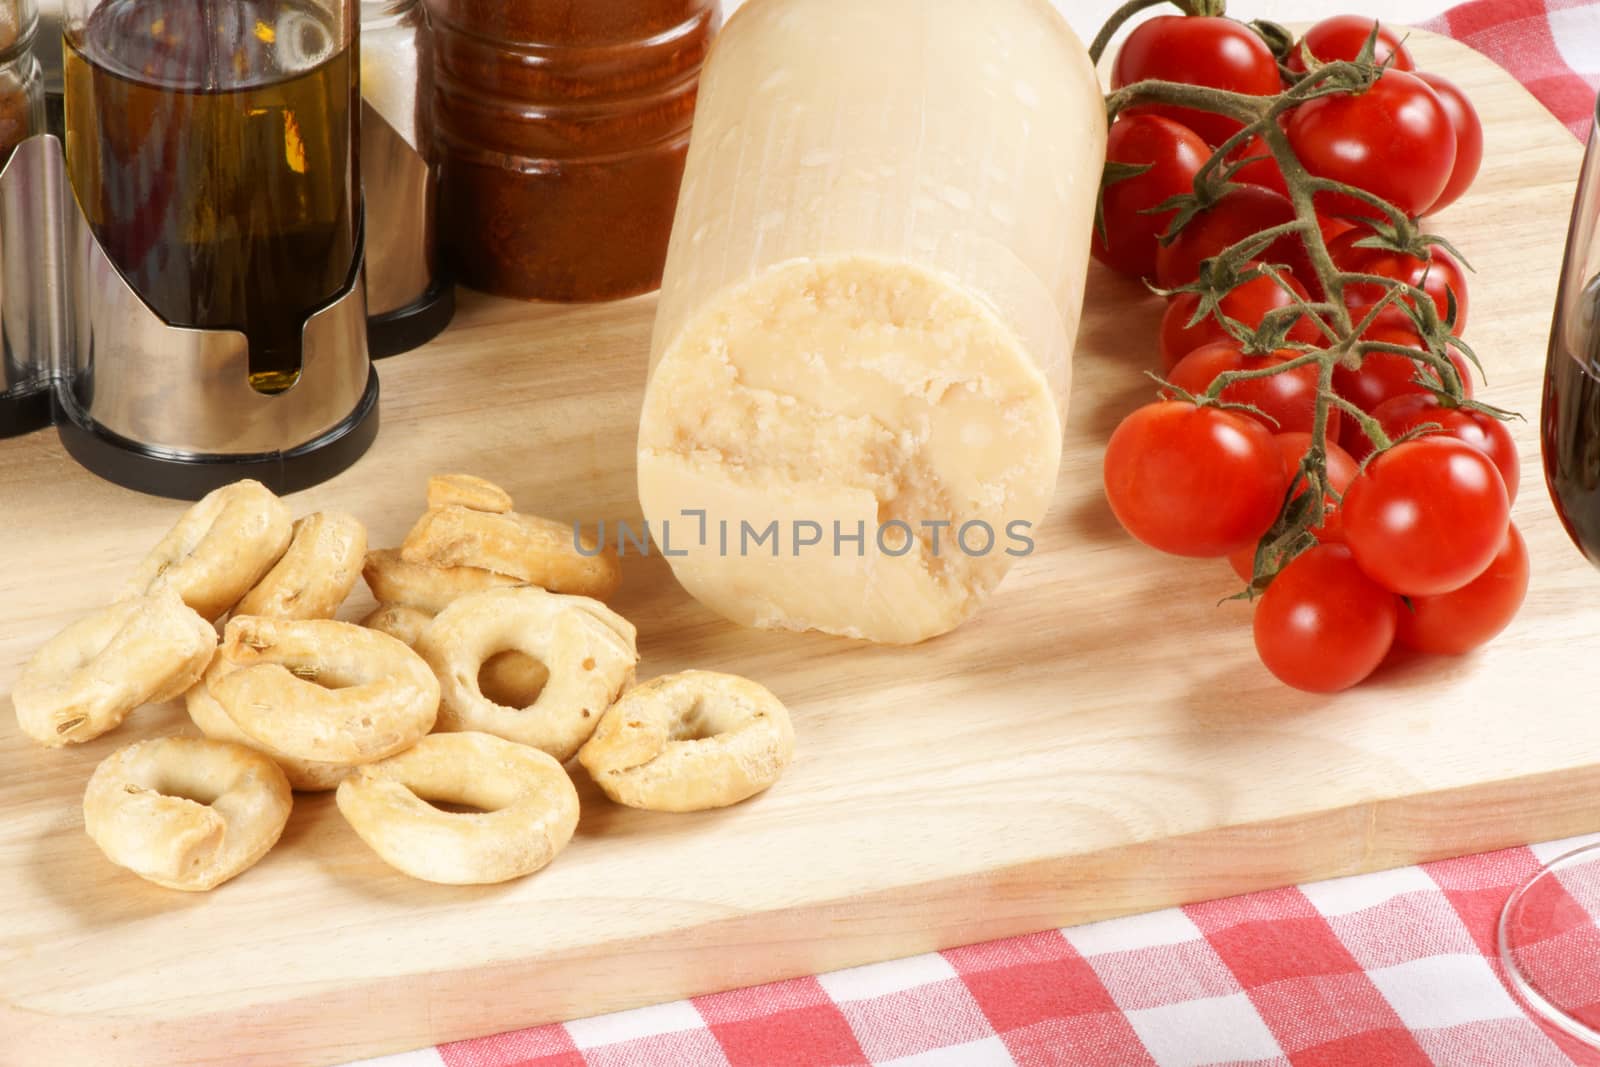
(1099, 741)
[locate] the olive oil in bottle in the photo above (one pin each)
(210, 143)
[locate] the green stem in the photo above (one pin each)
(1298, 180)
(1319, 416)
(1348, 276)
(1313, 311)
(1369, 425)
(1219, 155)
(1227, 378)
(1118, 17)
(1259, 241)
(1370, 317)
(1395, 216)
(1443, 366)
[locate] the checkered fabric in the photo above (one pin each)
(1398, 969)
(1383, 970)
(1551, 46)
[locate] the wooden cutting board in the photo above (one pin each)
(1101, 740)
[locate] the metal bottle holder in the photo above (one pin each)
(159, 408)
(409, 298)
(31, 330)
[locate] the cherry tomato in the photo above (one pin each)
(1262, 169)
(1427, 516)
(1394, 140)
(1341, 471)
(1469, 139)
(1383, 375)
(1240, 213)
(1288, 400)
(1332, 229)
(1437, 275)
(1486, 433)
(1342, 38)
(1175, 155)
(1243, 562)
(1323, 625)
(1193, 481)
(1247, 303)
(1453, 623)
(1341, 468)
(1218, 52)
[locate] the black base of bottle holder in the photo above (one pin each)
(190, 477)
(22, 413)
(412, 326)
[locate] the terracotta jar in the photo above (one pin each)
(561, 129)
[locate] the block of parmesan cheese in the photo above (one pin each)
(861, 356)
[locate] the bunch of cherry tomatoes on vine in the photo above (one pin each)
(1413, 544)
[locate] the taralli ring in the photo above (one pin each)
(588, 649)
(305, 776)
(321, 690)
(394, 581)
(403, 622)
(186, 812)
(534, 550)
(467, 491)
(690, 741)
(316, 573)
(86, 679)
(529, 809)
(221, 547)
(509, 678)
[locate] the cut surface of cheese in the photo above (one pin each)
(861, 357)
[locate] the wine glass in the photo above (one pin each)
(1550, 928)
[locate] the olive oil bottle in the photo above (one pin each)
(210, 143)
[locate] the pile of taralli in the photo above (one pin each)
(490, 662)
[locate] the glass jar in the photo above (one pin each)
(408, 299)
(24, 365)
(397, 67)
(17, 21)
(212, 147)
(21, 82)
(562, 129)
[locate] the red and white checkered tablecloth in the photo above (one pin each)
(1551, 46)
(1384, 970)
(1397, 969)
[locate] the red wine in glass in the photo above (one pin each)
(1550, 928)
(1570, 422)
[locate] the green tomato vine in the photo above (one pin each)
(1342, 337)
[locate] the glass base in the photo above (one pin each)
(1550, 943)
